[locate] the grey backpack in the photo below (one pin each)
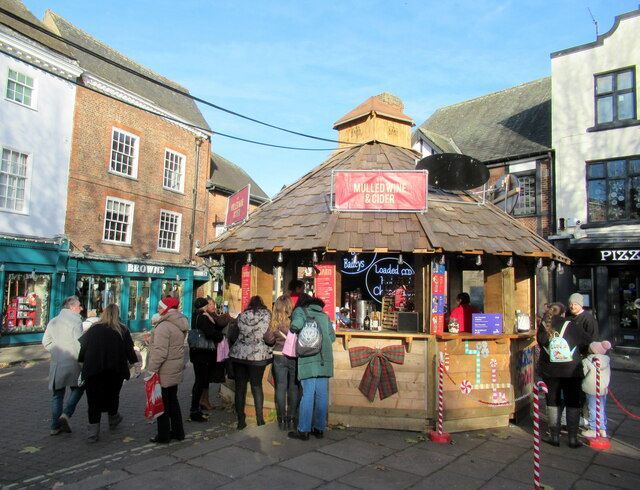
(310, 338)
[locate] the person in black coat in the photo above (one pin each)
(106, 351)
(563, 379)
(204, 360)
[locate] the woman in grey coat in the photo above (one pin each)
(61, 340)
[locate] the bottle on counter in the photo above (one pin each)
(366, 324)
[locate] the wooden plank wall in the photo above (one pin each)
(406, 410)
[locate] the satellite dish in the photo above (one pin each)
(454, 172)
(506, 193)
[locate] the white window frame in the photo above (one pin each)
(136, 149)
(27, 185)
(34, 89)
(183, 166)
(178, 231)
(129, 233)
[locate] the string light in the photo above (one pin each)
(552, 267)
(539, 264)
(510, 262)
(442, 259)
(400, 259)
(280, 258)
(478, 260)
(560, 268)
(221, 259)
(314, 257)
(249, 258)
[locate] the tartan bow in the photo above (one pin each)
(379, 375)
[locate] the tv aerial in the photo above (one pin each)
(454, 172)
(506, 192)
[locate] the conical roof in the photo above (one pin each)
(300, 218)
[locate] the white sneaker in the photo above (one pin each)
(589, 434)
(603, 433)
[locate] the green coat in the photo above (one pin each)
(320, 365)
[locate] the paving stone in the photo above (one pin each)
(460, 444)
(611, 476)
(504, 483)
(321, 465)
(233, 461)
(151, 464)
(99, 481)
(279, 447)
(522, 471)
(274, 477)
(179, 475)
(379, 476)
(476, 467)
(590, 485)
(417, 461)
(449, 480)
(391, 438)
(357, 451)
(571, 465)
(337, 434)
(500, 453)
(203, 447)
(335, 485)
(618, 462)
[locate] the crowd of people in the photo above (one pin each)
(568, 352)
(97, 357)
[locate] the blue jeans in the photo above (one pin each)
(314, 403)
(69, 407)
(591, 401)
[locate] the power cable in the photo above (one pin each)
(157, 82)
(165, 116)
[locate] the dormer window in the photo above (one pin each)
(615, 99)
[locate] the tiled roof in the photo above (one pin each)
(383, 104)
(512, 122)
(230, 178)
(17, 7)
(444, 144)
(168, 100)
(299, 218)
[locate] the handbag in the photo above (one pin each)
(197, 340)
(222, 351)
(290, 343)
(155, 406)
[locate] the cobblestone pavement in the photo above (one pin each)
(216, 455)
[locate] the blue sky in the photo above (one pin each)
(303, 65)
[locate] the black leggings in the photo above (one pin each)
(253, 374)
(103, 395)
(201, 370)
(564, 391)
(170, 422)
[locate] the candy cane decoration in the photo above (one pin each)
(596, 361)
(539, 386)
(438, 435)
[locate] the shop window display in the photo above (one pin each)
(174, 289)
(26, 303)
(97, 292)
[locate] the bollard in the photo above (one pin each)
(537, 387)
(438, 435)
(598, 442)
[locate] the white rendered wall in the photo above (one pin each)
(45, 134)
(572, 78)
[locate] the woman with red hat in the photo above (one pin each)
(166, 357)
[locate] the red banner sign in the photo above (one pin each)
(238, 206)
(246, 285)
(378, 190)
(325, 287)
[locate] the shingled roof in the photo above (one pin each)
(228, 178)
(300, 218)
(500, 125)
(176, 104)
(17, 8)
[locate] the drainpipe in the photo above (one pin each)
(199, 141)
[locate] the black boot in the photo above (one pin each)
(553, 421)
(573, 422)
(282, 424)
(296, 434)
(241, 421)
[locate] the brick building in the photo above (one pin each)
(137, 193)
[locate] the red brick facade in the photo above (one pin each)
(90, 181)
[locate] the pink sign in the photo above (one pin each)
(325, 283)
(246, 285)
(378, 190)
(238, 206)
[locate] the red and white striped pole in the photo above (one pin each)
(598, 442)
(537, 387)
(438, 435)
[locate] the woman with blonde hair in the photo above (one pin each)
(284, 367)
(106, 351)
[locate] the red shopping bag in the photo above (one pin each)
(155, 405)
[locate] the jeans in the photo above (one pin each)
(170, 422)
(591, 401)
(287, 387)
(70, 407)
(314, 404)
(253, 375)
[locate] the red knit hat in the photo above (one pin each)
(167, 304)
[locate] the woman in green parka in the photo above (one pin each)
(313, 371)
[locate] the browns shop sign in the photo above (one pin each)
(380, 190)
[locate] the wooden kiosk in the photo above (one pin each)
(459, 243)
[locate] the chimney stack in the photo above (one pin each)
(380, 118)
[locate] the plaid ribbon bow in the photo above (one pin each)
(379, 375)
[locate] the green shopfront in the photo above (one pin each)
(35, 277)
